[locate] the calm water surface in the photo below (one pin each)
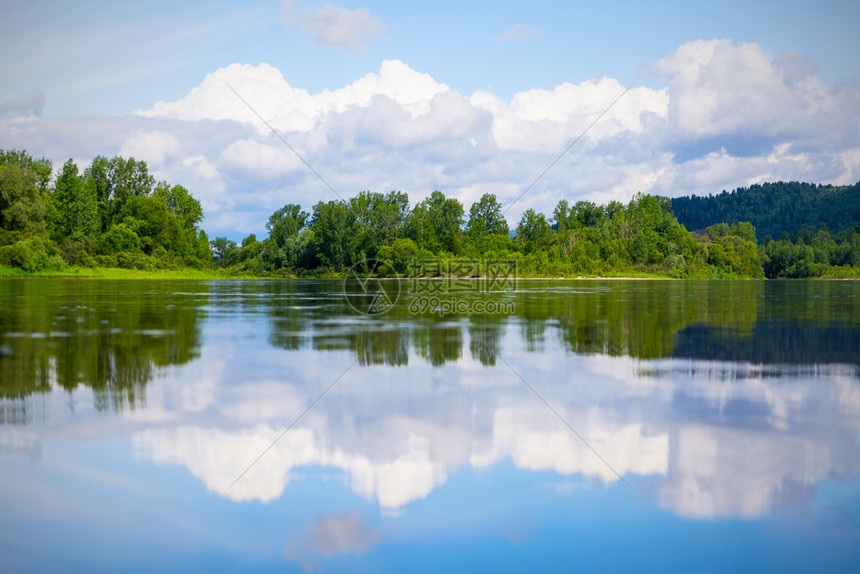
(724, 419)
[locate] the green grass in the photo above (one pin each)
(842, 273)
(112, 273)
(189, 273)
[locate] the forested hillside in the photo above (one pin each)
(774, 208)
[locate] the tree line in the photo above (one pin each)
(579, 239)
(114, 214)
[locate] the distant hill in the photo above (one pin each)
(774, 208)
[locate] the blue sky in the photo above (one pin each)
(727, 94)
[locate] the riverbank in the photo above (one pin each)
(190, 273)
(113, 273)
(201, 274)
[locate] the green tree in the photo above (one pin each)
(75, 201)
(21, 206)
(116, 180)
(335, 235)
(280, 249)
(119, 239)
(180, 203)
(560, 215)
(41, 168)
(384, 218)
(222, 249)
(533, 231)
(486, 218)
(585, 214)
(437, 224)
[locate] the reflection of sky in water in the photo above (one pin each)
(456, 466)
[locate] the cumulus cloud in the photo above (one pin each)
(294, 109)
(151, 146)
(31, 103)
(723, 90)
(727, 115)
(335, 27)
(257, 159)
(549, 119)
(515, 34)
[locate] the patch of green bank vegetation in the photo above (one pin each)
(118, 273)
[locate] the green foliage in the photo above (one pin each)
(400, 255)
(732, 251)
(32, 254)
(384, 218)
(115, 215)
(282, 249)
(533, 231)
(486, 218)
(808, 254)
(21, 206)
(437, 224)
(115, 181)
(40, 168)
(335, 235)
(180, 203)
(109, 215)
(640, 237)
(222, 250)
(76, 208)
(774, 208)
(119, 238)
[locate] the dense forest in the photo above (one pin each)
(114, 214)
(582, 239)
(774, 208)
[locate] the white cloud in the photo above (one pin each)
(151, 146)
(550, 119)
(291, 109)
(517, 33)
(201, 175)
(259, 159)
(719, 89)
(729, 115)
(335, 27)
